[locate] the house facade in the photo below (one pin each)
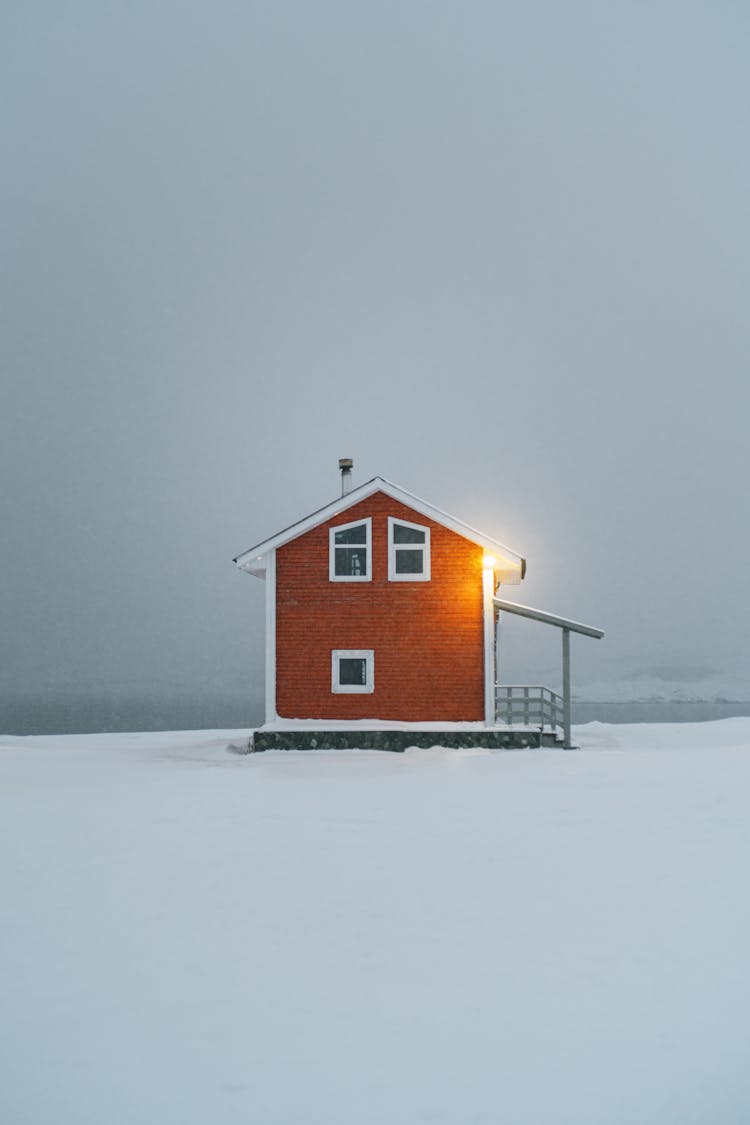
(379, 606)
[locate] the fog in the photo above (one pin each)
(495, 253)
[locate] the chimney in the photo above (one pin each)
(345, 465)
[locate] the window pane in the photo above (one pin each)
(403, 534)
(356, 534)
(352, 670)
(409, 562)
(350, 561)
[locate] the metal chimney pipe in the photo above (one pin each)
(345, 465)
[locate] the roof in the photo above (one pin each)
(547, 618)
(510, 563)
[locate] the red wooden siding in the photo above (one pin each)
(427, 636)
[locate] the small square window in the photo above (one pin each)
(408, 551)
(349, 552)
(353, 671)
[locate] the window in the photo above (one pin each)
(408, 551)
(349, 552)
(353, 670)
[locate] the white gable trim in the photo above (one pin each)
(254, 559)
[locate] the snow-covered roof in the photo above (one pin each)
(547, 618)
(509, 562)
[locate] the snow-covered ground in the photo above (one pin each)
(194, 936)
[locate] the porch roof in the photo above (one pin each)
(547, 618)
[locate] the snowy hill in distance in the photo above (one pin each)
(668, 683)
(626, 680)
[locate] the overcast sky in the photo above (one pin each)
(497, 253)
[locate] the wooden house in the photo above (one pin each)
(381, 608)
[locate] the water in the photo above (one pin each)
(72, 713)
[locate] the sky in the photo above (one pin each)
(496, 253)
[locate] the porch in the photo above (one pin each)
(535, 706)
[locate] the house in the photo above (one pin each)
(380, 607)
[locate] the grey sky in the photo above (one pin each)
(497, 253)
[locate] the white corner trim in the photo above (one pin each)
(366, 654)
(393, 547)
(488, 593)
(332, 575)
(271, 715)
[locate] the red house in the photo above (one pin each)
(380, 607)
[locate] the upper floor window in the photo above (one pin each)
(349, 552)
(408, 551)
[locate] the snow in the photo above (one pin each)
(382, 724)
(192, 934)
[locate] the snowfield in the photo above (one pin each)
(194, 936)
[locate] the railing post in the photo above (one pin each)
(497, 647)
(566, 689)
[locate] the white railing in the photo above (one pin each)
(528, 706)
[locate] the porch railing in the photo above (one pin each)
(528, 706)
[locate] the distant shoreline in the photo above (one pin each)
(97, 713)
(658, 710)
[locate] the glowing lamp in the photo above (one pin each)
(489, 562)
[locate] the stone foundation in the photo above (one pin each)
(399, 740)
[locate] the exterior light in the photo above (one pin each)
(489, 562)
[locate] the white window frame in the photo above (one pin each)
(393, 547)
(366, 654)
(332, 545)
